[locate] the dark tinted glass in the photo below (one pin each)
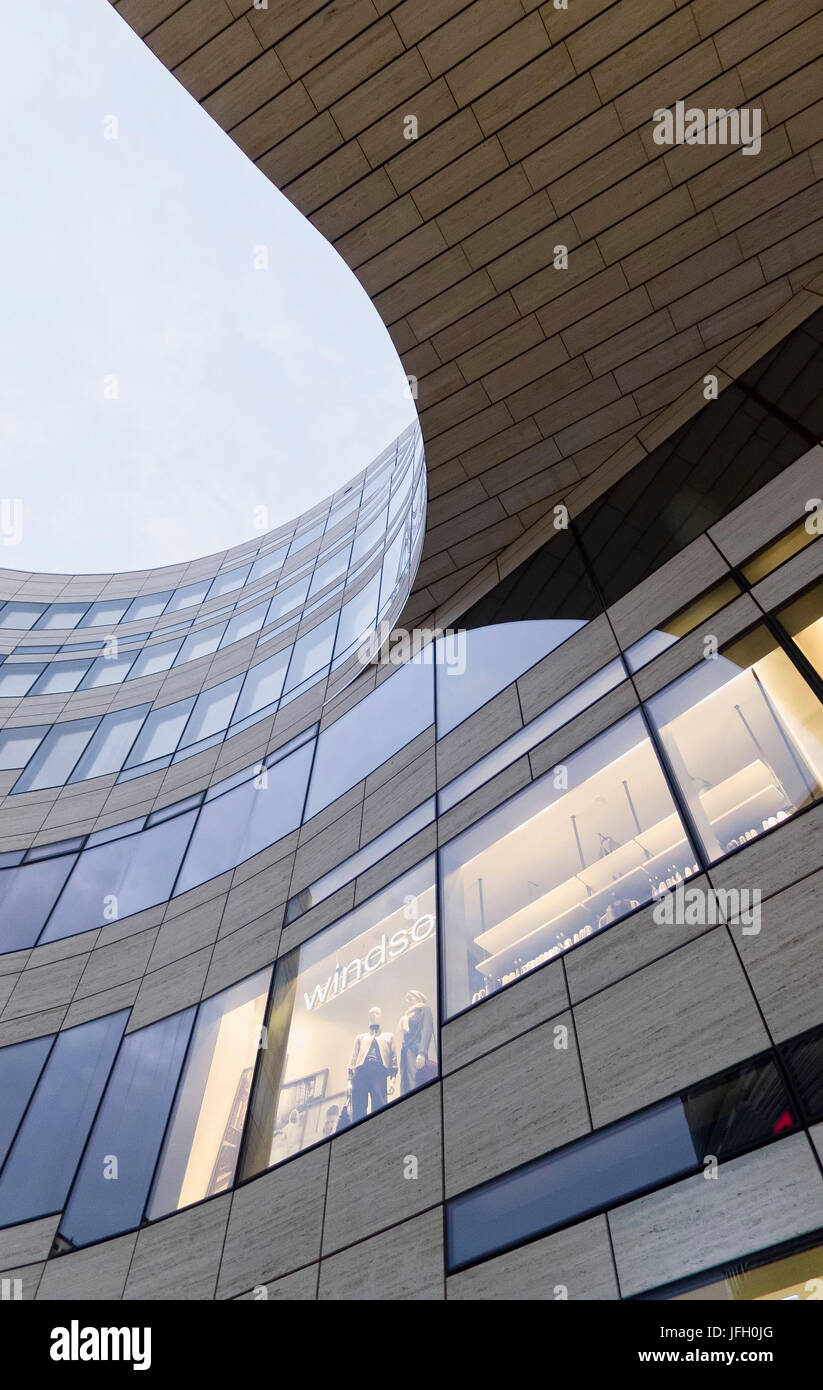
(721, 1117)
(41, 1164)
(804, 1061)
(114, 1178)
(20, 1066)
(552, 583)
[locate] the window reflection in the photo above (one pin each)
(744, 736)
(352, 1024)
(803, 619)
(201, 1147)
(578, 849)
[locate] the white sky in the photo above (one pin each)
(134, 258)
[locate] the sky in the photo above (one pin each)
(157, 388)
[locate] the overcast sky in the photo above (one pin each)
(156, 388)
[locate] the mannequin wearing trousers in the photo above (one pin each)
(373, 1061)
(416, 1030)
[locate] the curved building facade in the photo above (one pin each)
(444, 974)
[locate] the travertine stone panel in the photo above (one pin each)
(576, 1264)
(276, 1224)
(403, 1263)
(178, 1258)
(98, 1272)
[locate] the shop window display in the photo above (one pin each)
(744, 737)
(803, 619)
(352, 1025)
(581, 847)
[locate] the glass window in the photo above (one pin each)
(357, 617)
(249, 818)
(723, 1116)
(17, 745)
(146, 606)
(798, 1276)
(55, 758)
(18, 680)
(803, 620)
(187, 596)
(160, 733)
(21, 615)
(107, 612)
(744, 737)
(474, 666)
(777, 552)
(128, 1132)
(285, 600)
(578, 849)
(50, 1140)
(262, 685)
(369, 733)
(120, 878)
(311, 653)
(367, 538)
(108, 670)
(686, 620)
(352, 1025)
(200, 643)
(228, 580)
(212, 711)
(201, 1147)
(62, 615)
(266, 564)
(27, 896)
(328, 570)
(531, 734)
(20, 1066)
(306, 537)
(109, 747)
(803, 1057)
(245, 623)
(61, 676)
(154, 659)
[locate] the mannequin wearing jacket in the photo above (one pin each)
(416, 1029)
(373, 1061)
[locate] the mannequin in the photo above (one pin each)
(416, 1029)
(373, 1061)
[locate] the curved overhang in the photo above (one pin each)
(448, 149)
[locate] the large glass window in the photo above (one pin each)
(113, 1181)
(45, 1153)
(56, 756)
(110, 744)
(187, 596)
(201, 1147)
(60, 677)
(685, 620)
(590, 841)
(17, 745)
(262, 685)
(18, 679)
(20, 1066)
(352, 1024)
(159, 735)
(27, 896)
(115, 880)
(803, 620)
(744, 736)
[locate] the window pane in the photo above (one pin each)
(160, 732)
(50, 1141)
(286, 600)
(202, 1144)
(27, 896)
(357, 617)
(19, 679)
(146, 606)
(106, 612)
(566, 857)
(804, 1062)
(799, 1276)
(354, 745)
(62, 615)
(21, 616)
(227, 581)
(352, 1026)
(329, 570)
(685, 620)
(212, 711)
(186, 597)
(129, 1128)
(115, 880)
(20, 1066)
(200, 643)
(254, 815)
(777, 552)
(108, 748)
(311, 652)
(156, 658)
(803, 620)
(108, 670)
(744, 736)
(266, 564)
(473, 666)
(262, 685)
(56, 756)
(61, 676)
(245, 623)
(17, 746)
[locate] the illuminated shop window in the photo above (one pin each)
(352, 1025)
(794, 1278)
(803, 620)
(685, 620)
(777, 552)
(587, 843)
(201, 1147)
(744, 736)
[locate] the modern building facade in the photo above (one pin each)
(335, 965)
